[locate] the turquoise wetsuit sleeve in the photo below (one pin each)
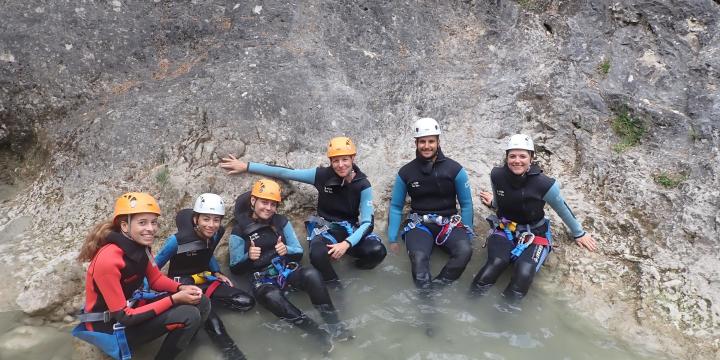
(302, 175)
(397, 201)
(464, 196)
(366, 213)
(558, 204)
(168, 251)
(213, 265)
(237, 250)
(291, 240)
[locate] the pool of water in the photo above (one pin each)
(390, 320)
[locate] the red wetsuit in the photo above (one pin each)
(116, 271)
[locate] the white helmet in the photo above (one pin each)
(520, 141)
(209, 204)
(426, 127)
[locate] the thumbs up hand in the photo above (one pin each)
(254, 251)
(280, 247)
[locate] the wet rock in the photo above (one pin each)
(53, 286)
(117, 109)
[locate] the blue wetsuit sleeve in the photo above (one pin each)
(558, 204)
(464, 196)
(366, 213)
(168, 251)
(302, 175)
(397, 201)
(291, 240)
(213, 265)
(237, 250)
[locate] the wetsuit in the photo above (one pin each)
(521, 199)
(116, 271)
(263, 274)
(433, 187)
(346, 208)
(189, 254)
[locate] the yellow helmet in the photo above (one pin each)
(339, 146)
(135, 203)
(266, 189)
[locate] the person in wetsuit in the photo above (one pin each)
(344, 220)
(117, 316)
(263, 244)
(190, 253)
(434, 182)
(520, 231)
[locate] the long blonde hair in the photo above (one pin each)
(95, 239)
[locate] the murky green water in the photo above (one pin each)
(388, 318)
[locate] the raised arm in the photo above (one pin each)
(237, 166)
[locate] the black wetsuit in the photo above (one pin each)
(433, 187)
(189, 254)
(521, 199)
(268, 293)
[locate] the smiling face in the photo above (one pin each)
(342, 165)
(263, 209)
(142, 228)
(518, 161)
(427, 146)
(207, 224)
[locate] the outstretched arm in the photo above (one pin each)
(556, 201)
(234, 165)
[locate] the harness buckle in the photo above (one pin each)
(118, 326)
(523, 238)
(455, 220)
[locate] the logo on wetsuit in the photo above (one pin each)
(254, 236)
(500, 192)
(415, 184)
(327, 190)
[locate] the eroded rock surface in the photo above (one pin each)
(99, 98)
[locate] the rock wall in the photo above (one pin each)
(99, 98)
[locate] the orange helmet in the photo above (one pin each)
(339, 146)
(135, 203)
(266, 189)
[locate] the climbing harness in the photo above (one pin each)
(522, 236)
(447, 224)
(115, 344)
(276, 273)
(316, 225)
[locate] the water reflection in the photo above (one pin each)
(390, 319)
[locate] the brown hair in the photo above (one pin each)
(95, 239)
